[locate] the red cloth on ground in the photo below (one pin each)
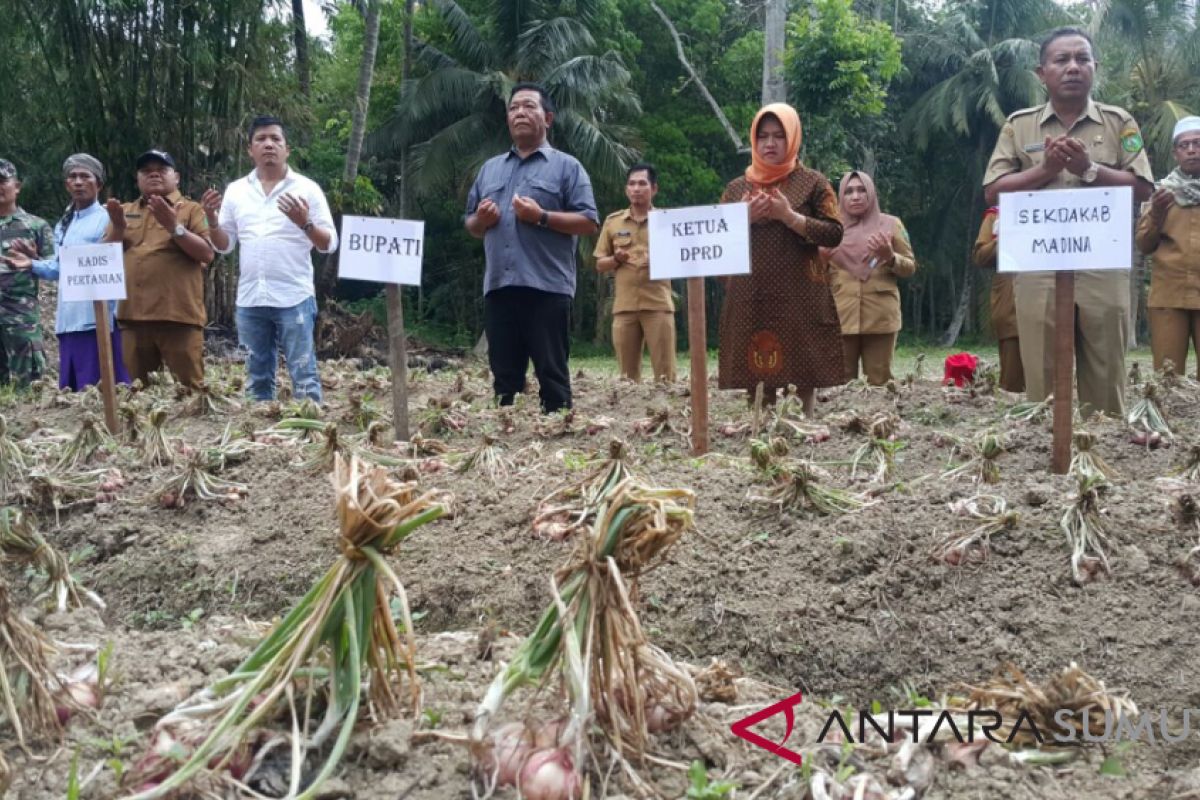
(960, 368)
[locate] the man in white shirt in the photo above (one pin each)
(279, 216)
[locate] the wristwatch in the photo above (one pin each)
(308, 226)
(1089, 174)
(544, 220)
(179, 231)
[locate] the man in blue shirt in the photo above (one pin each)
(75, 323)
(530, 206)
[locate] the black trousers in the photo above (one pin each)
(523, 324)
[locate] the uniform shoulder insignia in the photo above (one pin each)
(1117, 110)
(1007, 130)
(1131, 139)
(1023, 112)
(615, 214)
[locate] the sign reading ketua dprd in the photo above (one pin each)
(700, 241)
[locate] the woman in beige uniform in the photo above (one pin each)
(1004, 306)
(874, 252)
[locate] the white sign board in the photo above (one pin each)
(700, 240)
(383, 250)
(1061, 230)
(91, 272)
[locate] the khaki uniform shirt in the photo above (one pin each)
(1003, 302)
(1110, 134)
(634, 289)
(1175, 277)
(873, 305)
(163, 283)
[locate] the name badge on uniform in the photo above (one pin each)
(1038, 147)
(624, 236)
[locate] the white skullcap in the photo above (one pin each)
(1185, 125)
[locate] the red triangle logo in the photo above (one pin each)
(741, 728)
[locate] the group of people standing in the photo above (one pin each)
(821, 297)
(821, 301)
(278, 215)
(1071, 141)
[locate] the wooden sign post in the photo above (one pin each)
(698, 347)
(1064, 371)
(694, 243)
(1065, 231)
(96, 273)
(108, 377)
(387, 251)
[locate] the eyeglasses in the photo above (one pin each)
(1189, 145)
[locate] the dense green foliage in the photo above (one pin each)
(914, 93)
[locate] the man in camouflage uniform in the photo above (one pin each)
(22, 355)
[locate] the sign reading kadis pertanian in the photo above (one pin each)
(381, 249)
(1061, 230)
(91, 272)
(699, 241)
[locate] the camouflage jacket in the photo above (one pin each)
(19, 289)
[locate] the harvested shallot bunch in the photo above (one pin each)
(991, 516)
(1084, 528)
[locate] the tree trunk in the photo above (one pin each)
(300, 37)
(960, 310)
(327, 278)
(362, 94)
(774, 84)
(695, 76)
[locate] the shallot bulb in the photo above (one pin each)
(81, 689)
(509, 747)
(550, 775)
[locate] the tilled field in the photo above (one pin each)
(851, 610)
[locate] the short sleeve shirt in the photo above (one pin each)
(634, 289)
(1110, 133)
(19, 288)
(163, 283)
(520, 254)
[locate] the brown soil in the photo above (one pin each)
(848, 610)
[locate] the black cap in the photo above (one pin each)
(155, 155)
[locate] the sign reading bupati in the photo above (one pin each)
(91, 272)
(1066, 229)
(383, 250)
(699, 241)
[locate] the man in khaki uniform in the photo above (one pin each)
(1072, 142)
(166, 241)
(1003, 306)
(643, 310)
(1169, 229)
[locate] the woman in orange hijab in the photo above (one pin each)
(874, 252)
(779, 324)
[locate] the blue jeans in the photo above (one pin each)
(264, 331)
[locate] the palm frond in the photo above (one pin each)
(598, 148)
(585, 81)
(549, 42)
(468, 40)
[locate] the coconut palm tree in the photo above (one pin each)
(1150, 51)
(453, 115)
